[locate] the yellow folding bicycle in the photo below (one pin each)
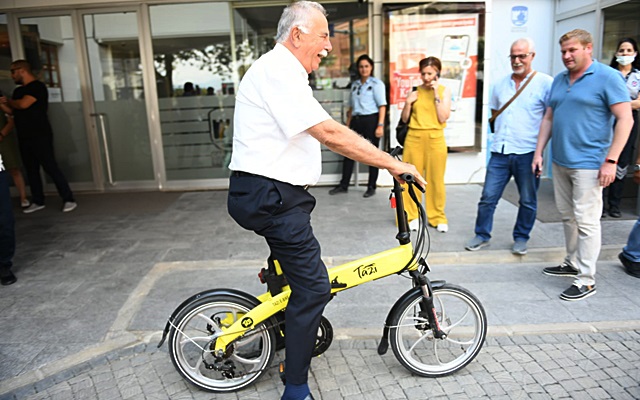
(222, 340)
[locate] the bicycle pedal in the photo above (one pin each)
(283, 378)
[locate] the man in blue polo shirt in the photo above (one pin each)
(583, 100)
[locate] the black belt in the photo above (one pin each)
(363, 116)
(242, 173)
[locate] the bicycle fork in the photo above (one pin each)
(426, 305)
(427, 308)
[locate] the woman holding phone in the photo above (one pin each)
(426, 110)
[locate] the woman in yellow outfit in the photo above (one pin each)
(427, 110)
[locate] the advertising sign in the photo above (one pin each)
(453, 38)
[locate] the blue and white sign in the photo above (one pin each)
(519, 15)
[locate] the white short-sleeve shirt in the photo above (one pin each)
(274, 108)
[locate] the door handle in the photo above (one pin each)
(101, 117)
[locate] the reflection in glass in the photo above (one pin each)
(196, 75)
(49, 48)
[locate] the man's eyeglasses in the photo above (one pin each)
(520, 56)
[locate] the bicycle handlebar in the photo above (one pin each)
(408, 178)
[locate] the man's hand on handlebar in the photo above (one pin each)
(401, 169)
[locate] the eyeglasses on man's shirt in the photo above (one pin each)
(520, 56)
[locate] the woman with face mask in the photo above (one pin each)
(626, 61)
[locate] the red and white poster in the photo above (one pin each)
(453, 38)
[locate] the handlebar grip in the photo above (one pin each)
(411, 180)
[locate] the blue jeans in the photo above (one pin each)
(632, 249)
(499, 171)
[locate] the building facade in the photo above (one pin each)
(142, 92)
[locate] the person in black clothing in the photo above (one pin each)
(29, 105)
(626, 61)
(7, 232)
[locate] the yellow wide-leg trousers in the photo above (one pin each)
(427, 150)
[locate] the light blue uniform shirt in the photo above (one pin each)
(366, 98)
(582, 118)
(516, 128)
(633, 83)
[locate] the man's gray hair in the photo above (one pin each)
(530, 44)
(297, 14)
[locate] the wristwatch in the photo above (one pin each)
(636, 168)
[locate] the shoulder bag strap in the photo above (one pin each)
(493, 117)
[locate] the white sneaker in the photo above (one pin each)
(414, 225)
(33, 208)
(69, 206)
(444, 228)
(25, 203)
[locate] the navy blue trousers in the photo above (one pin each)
(365, 125)
(7, 232)
(281, 213)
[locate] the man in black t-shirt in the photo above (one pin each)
(29, 105)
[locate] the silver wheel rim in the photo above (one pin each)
(195, 336)
(459, 317)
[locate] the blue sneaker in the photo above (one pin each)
(476, 244)
(519, 248)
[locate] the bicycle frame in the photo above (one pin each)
(342, 277)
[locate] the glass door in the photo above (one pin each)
(49, 47)
(119, 114)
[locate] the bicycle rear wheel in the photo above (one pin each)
(461, 317)
(192, 342)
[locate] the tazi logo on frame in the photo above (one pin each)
(366, 270)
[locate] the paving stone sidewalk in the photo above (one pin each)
(562, 366)
(95, 286)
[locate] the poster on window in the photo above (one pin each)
(453, 38)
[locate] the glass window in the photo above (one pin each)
(198, 65)
(454, 33)
(196, 74)
(6, 83)
(620, 21)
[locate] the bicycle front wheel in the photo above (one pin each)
(192, 342)
(461, 317)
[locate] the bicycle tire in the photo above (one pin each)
(460, 315)
(192, 339)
